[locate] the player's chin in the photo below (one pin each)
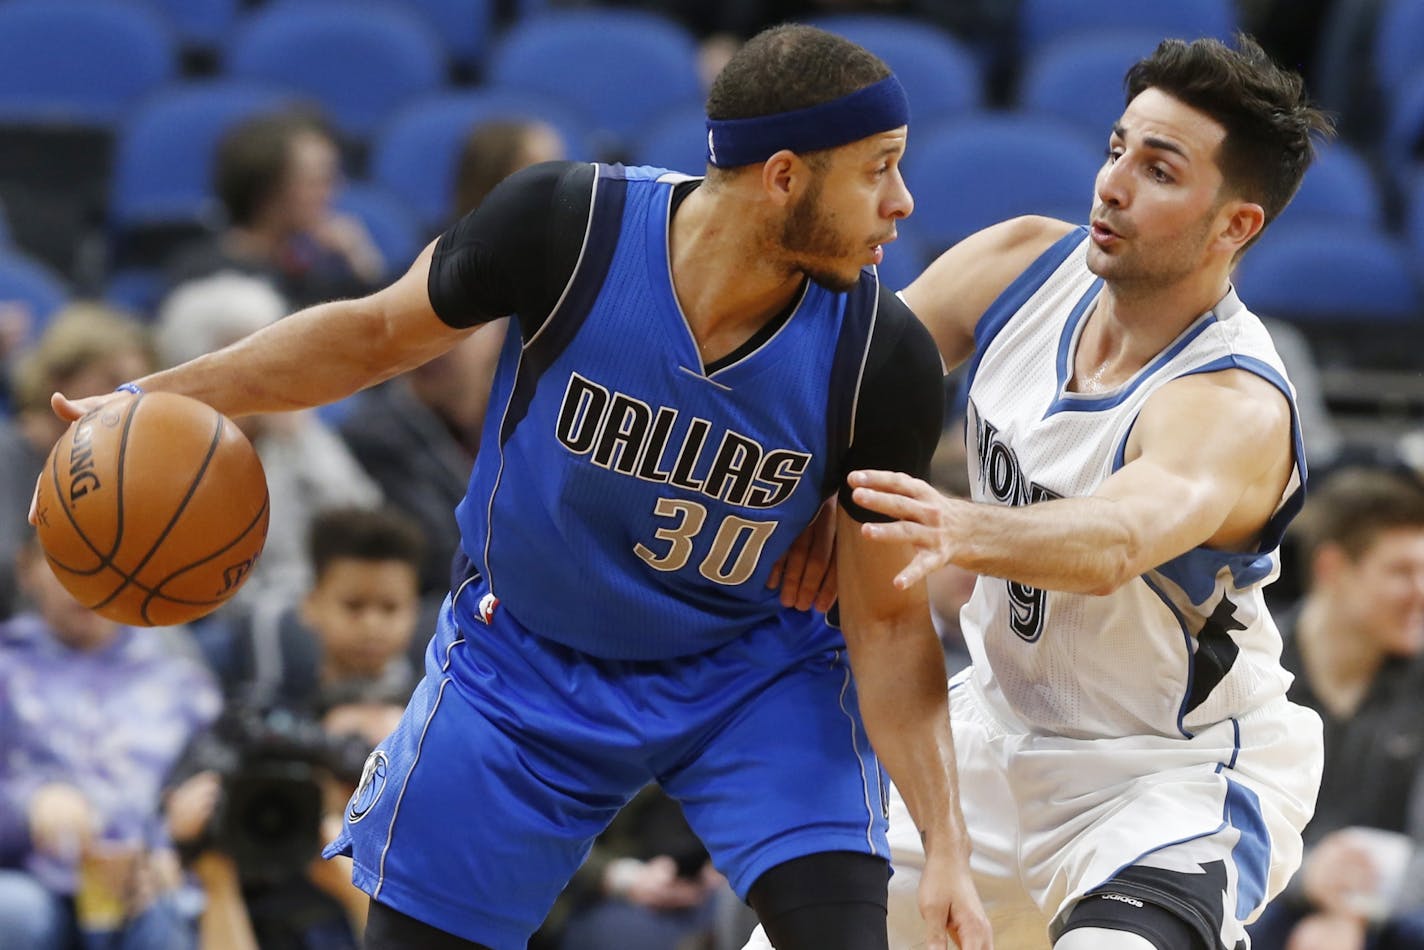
(839, 279)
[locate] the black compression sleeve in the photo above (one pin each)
(900, 410)
(516, 251)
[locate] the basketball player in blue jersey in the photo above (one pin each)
(1132, 774)
(697, 365)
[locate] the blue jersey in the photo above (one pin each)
(631, 505)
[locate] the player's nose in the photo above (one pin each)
(899, 203)
(1112, 186)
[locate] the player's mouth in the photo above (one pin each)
(877, 248)
(1103, 236)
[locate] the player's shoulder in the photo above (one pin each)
(958, 287)
(901, 340)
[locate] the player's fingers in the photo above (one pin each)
(892, 504)
(34, 502)
(830, 587)
(794, 570)
(924, 564)
(773, 580)
(66, 408)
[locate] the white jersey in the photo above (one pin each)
(1173, 651)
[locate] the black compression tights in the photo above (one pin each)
(389, 929)
(829, 901)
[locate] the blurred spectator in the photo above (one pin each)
(418, 434)
(1356, 647)
(275, 175)
(497, 149)
(309, 697)
(647, 885)
(308, 466)
(92, 717)
(87, 349)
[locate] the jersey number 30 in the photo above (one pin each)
(736, 546)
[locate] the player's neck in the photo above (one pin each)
(1130, 325)
(726, 288)
(1340, 661)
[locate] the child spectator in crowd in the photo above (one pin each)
(93, 716)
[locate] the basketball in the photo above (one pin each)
(152, 509)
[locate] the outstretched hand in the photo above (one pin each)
(922, 519)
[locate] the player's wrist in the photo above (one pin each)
(134, 388)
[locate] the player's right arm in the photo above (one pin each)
(494, 262)
(955, 291)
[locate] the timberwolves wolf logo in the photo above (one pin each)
(1001, 476)
(373, 782)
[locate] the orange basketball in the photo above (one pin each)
(153, 509)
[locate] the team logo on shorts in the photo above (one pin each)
(373, 782)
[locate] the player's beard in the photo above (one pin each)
(809, 238)
(1160, 264)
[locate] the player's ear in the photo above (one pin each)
(780, 176)
(1243, 222)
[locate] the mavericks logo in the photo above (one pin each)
(373, 782)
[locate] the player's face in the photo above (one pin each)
(364, 612)
(1158, 194)
(1386, 589)
(842, 221)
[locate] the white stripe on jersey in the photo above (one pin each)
(1181, 647)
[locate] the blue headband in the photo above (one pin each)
(865, 112)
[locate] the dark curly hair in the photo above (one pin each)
(1268, 120)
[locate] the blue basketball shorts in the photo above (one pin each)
(515, 752)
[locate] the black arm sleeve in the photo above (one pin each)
(900, 412)
(515, 253)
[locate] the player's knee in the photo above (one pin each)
(1125, 923)
(829, 901)
(1096, 938)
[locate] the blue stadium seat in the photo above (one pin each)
(621, 69)
(200, 24)
(1330, 273)
(1399, 43)
(939, 73)
(359, 68)
(1338, 188)
(1403, 144)
(1080, 79)
(1414, 220)
(415, 155)
(969, 174)
(678, 141)
(27, 282)
(392, 225)
(79, 60)
(164, 162)
(1043, 21)
(465, 27)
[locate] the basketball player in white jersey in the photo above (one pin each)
(1130, 771)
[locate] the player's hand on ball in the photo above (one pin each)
(70, 410)
(950, 905)
(922, 519)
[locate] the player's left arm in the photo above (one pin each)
(899, 674)
(894, 653)
(1207, 462)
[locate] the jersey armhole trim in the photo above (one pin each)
(1018, 293)
(578, 263)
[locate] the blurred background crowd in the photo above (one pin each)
(175, 174)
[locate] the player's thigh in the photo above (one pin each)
(790, 772)
(468, 827)
(1116, 922)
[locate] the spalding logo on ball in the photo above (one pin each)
(153, 509)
